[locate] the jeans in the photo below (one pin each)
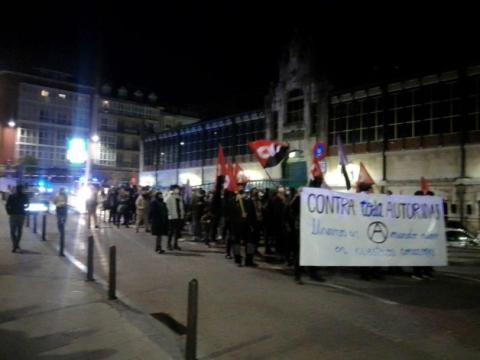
(16, 226)
(175, 231)
(61, 221)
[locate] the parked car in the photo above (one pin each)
(460, 238)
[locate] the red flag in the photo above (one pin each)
(221, 166)
(236, 170)
(268, 153)
(315, 170)
(240, 175)
(364, 177)
(424, 185)
(230, 183)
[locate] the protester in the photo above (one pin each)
(102, 204)
(198, 208)
(176, 214)
(61, 208)
(206, 222)
(123, 208)
(423, 272)
(241, 230)
(16, 206)
(142, 205)
(257, 216)
(158, 218)
(277, 210)
(91, 206)
(112, 204)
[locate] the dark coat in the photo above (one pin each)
(158, 217)
(17, 204)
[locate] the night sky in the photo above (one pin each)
(220, 57)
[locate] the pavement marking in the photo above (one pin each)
(360, 293)
(459, 277)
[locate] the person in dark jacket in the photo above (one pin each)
(278, 211)
(423, 272)
(158, 217)
(242, 230)
(198, 209)
(112, 201)
(16, 206)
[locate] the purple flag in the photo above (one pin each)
(342, 158)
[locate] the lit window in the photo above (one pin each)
(63, 96)
(44, 93)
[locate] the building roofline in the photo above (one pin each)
(46, 79)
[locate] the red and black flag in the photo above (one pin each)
(268, 153)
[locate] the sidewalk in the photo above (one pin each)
(48, 311)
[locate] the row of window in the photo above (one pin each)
(130, 109)
(44, 154)
(51, 95)
(60, 115)
(428, 110)
(43, 136)
(203, 144)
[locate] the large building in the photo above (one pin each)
(39, 113)
(421, 125)
(120, 122)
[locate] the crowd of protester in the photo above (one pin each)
(254, 224)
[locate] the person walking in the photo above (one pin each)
(112, 200)
(16, 206)
(142, 206)
(61, 208)
(102, 204)
(123, 208)
(176, 214)
(158, 218)
(91, 206)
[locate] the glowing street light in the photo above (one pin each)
(11, 123)
(95, 138)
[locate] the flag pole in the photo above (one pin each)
(273, 181)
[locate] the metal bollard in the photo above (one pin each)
(90, 259)
(192, 315)
(112, 275)
(44, 227)
(35, 223)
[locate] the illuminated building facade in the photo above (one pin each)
(49, 108)
(421, 125)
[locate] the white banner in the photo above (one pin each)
(344, 229)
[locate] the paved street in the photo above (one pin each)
(261, 313)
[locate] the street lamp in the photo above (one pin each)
(11, 123)
(95, 138)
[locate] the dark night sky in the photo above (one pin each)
(222, 56)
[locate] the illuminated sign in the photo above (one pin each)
(77, 151)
